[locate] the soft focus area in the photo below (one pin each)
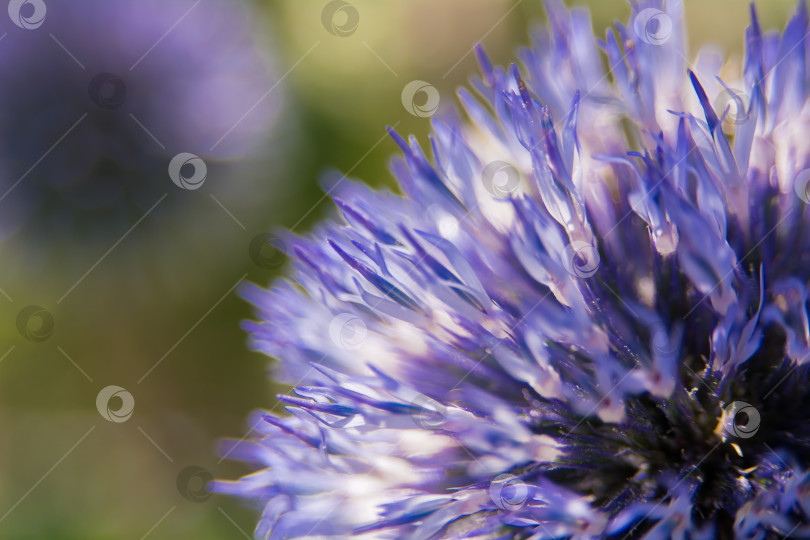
(148, 150)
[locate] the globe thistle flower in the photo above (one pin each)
(585, 317)
(102, 95)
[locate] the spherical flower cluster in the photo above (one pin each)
(585, 317)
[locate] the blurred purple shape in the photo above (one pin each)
(102, 95)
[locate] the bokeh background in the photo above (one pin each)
(146, 301)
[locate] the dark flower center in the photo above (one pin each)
(666, 443)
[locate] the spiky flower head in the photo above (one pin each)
(585, 317)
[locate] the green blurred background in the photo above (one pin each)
(65, 472)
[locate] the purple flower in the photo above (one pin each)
(604, 334)
(100, 95)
